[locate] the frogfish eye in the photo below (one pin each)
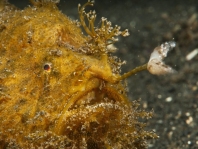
(47, 67)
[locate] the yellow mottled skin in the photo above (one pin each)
(54, 92)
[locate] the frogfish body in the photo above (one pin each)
(58, 87)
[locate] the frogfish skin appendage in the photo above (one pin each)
(59, 88)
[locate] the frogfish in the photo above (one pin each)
(61, 86)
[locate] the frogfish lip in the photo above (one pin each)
(95, 105)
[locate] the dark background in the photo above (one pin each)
(173, 98)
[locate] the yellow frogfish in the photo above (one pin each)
(61, 88)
